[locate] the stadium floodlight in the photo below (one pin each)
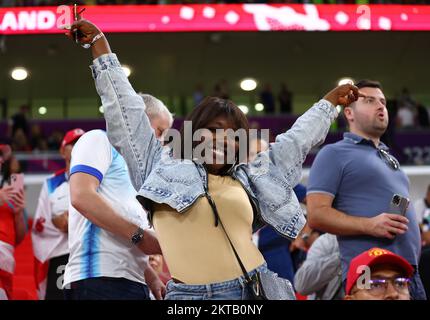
(345, 81)
(259, 107)
(127, 70)
(244, 109)
(248, 84)
(19, 74)
(43, 110)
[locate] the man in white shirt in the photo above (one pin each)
(109, 236)
(49, 234)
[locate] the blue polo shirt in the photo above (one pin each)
(362, 184)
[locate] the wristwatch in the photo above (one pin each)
(137, 236)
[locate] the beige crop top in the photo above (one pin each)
(195, 250)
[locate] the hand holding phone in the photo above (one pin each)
(77, 34)
(399, 205)
(17, 181)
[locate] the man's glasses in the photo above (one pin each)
(379, 286)
(389, 159)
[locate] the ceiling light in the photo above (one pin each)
(248, 84)
(19, 74)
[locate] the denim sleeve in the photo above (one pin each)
(326, 172)
(322, 264)
(128, 127)
(291, 148)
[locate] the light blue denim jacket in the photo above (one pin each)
(268, 180)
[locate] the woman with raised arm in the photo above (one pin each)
(204, 208)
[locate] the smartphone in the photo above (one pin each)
(17, 181)
(75, 18)
(399, 205)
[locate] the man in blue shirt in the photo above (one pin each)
(351, 185)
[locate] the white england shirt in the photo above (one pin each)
(48, 241)
(95, 252)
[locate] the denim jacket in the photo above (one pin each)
(268, 180)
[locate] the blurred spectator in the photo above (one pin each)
(422, 209)
(423, 116)
(406, 117)
(268, 99)
(405, 98)
(321, 275)
(389, 278)
(285, 98)
(406, 112)
(221, 90)
(19, 120)
(49, 234)
(198, 95)
(37, 141)
(20, 141)
(54, 140)
(13, 224)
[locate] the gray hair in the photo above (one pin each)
(155, 107)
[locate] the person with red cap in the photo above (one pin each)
(50, 230)
(12, 227)
(378, 274)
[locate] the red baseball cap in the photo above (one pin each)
(71, 136)
(373, 257)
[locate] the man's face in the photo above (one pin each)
(393, 290)
(369, 114)
(160, 124)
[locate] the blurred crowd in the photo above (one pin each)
(411, 113)
(406, 111)
(25, 136)
(12, 3)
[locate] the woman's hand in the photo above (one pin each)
(87, 31)
(18, 200)
(154, 283)
(5, 194)
(343, 95)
